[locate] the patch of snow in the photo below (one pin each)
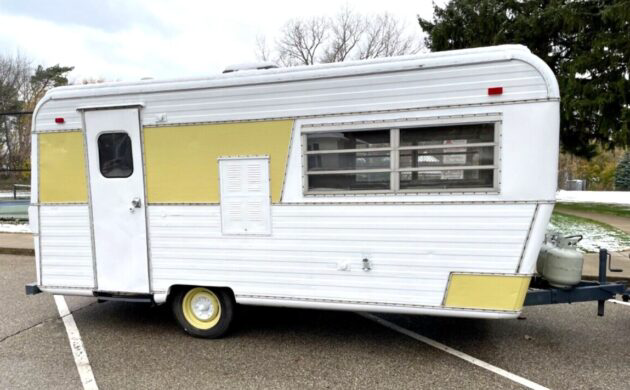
(14, 228)
(20, 195)
(595, 236)
(610, 197)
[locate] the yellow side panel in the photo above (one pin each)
(181, 161)
(491, 292)
(62, 168)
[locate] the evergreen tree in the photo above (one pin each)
(622, 174)
(584, 42)
(44, 79)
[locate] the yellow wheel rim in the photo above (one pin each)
(201, 308)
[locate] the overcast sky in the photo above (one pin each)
(131, 39)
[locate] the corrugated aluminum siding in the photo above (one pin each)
(412, 249)
(66, 246)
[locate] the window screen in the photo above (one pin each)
(449, 157)
(114, 154)
(349, 161)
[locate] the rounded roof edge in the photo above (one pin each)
(553, 90)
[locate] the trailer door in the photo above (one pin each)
(117, 202)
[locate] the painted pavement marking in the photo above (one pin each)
(76, 345)
(480, 363)
(619, 302)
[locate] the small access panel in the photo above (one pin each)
(245, 199)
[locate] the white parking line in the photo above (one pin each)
(619, 302)
(454, 352)
(76, 345)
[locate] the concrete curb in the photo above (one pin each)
(610, 278)
(17, 251)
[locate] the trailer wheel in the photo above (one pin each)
(203, 312)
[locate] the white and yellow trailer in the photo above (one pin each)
(419, 184)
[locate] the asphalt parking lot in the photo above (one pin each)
(139, 346)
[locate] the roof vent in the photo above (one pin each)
(250, 66)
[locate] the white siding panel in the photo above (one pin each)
(419, 88)
(316, 251)
(66, 246)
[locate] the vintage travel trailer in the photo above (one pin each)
(420, 184)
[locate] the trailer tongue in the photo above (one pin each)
(542, 293)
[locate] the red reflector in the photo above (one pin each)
(495, 90)
(59, 120)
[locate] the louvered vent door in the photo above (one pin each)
(245, 201)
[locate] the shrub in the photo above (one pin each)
(622, 174)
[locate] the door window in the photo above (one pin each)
(114, 154)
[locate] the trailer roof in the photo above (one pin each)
(311, 72)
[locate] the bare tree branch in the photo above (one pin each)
(346, 36)
(301, 40)
(385, 37)
(263, 52)
(347, 29)
(15, 73)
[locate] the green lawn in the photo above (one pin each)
(602, 208)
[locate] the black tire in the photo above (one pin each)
(217, 324)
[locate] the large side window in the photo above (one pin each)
(448, 157)
(114, 155)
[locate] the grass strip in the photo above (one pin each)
(601, 208)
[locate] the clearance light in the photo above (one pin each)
(60, 120)
(495, 91)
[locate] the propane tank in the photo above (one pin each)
(544, 252)
(559, 262)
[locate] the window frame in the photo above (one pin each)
(394, 127)
(100, 170)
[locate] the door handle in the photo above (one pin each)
(136, 203)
